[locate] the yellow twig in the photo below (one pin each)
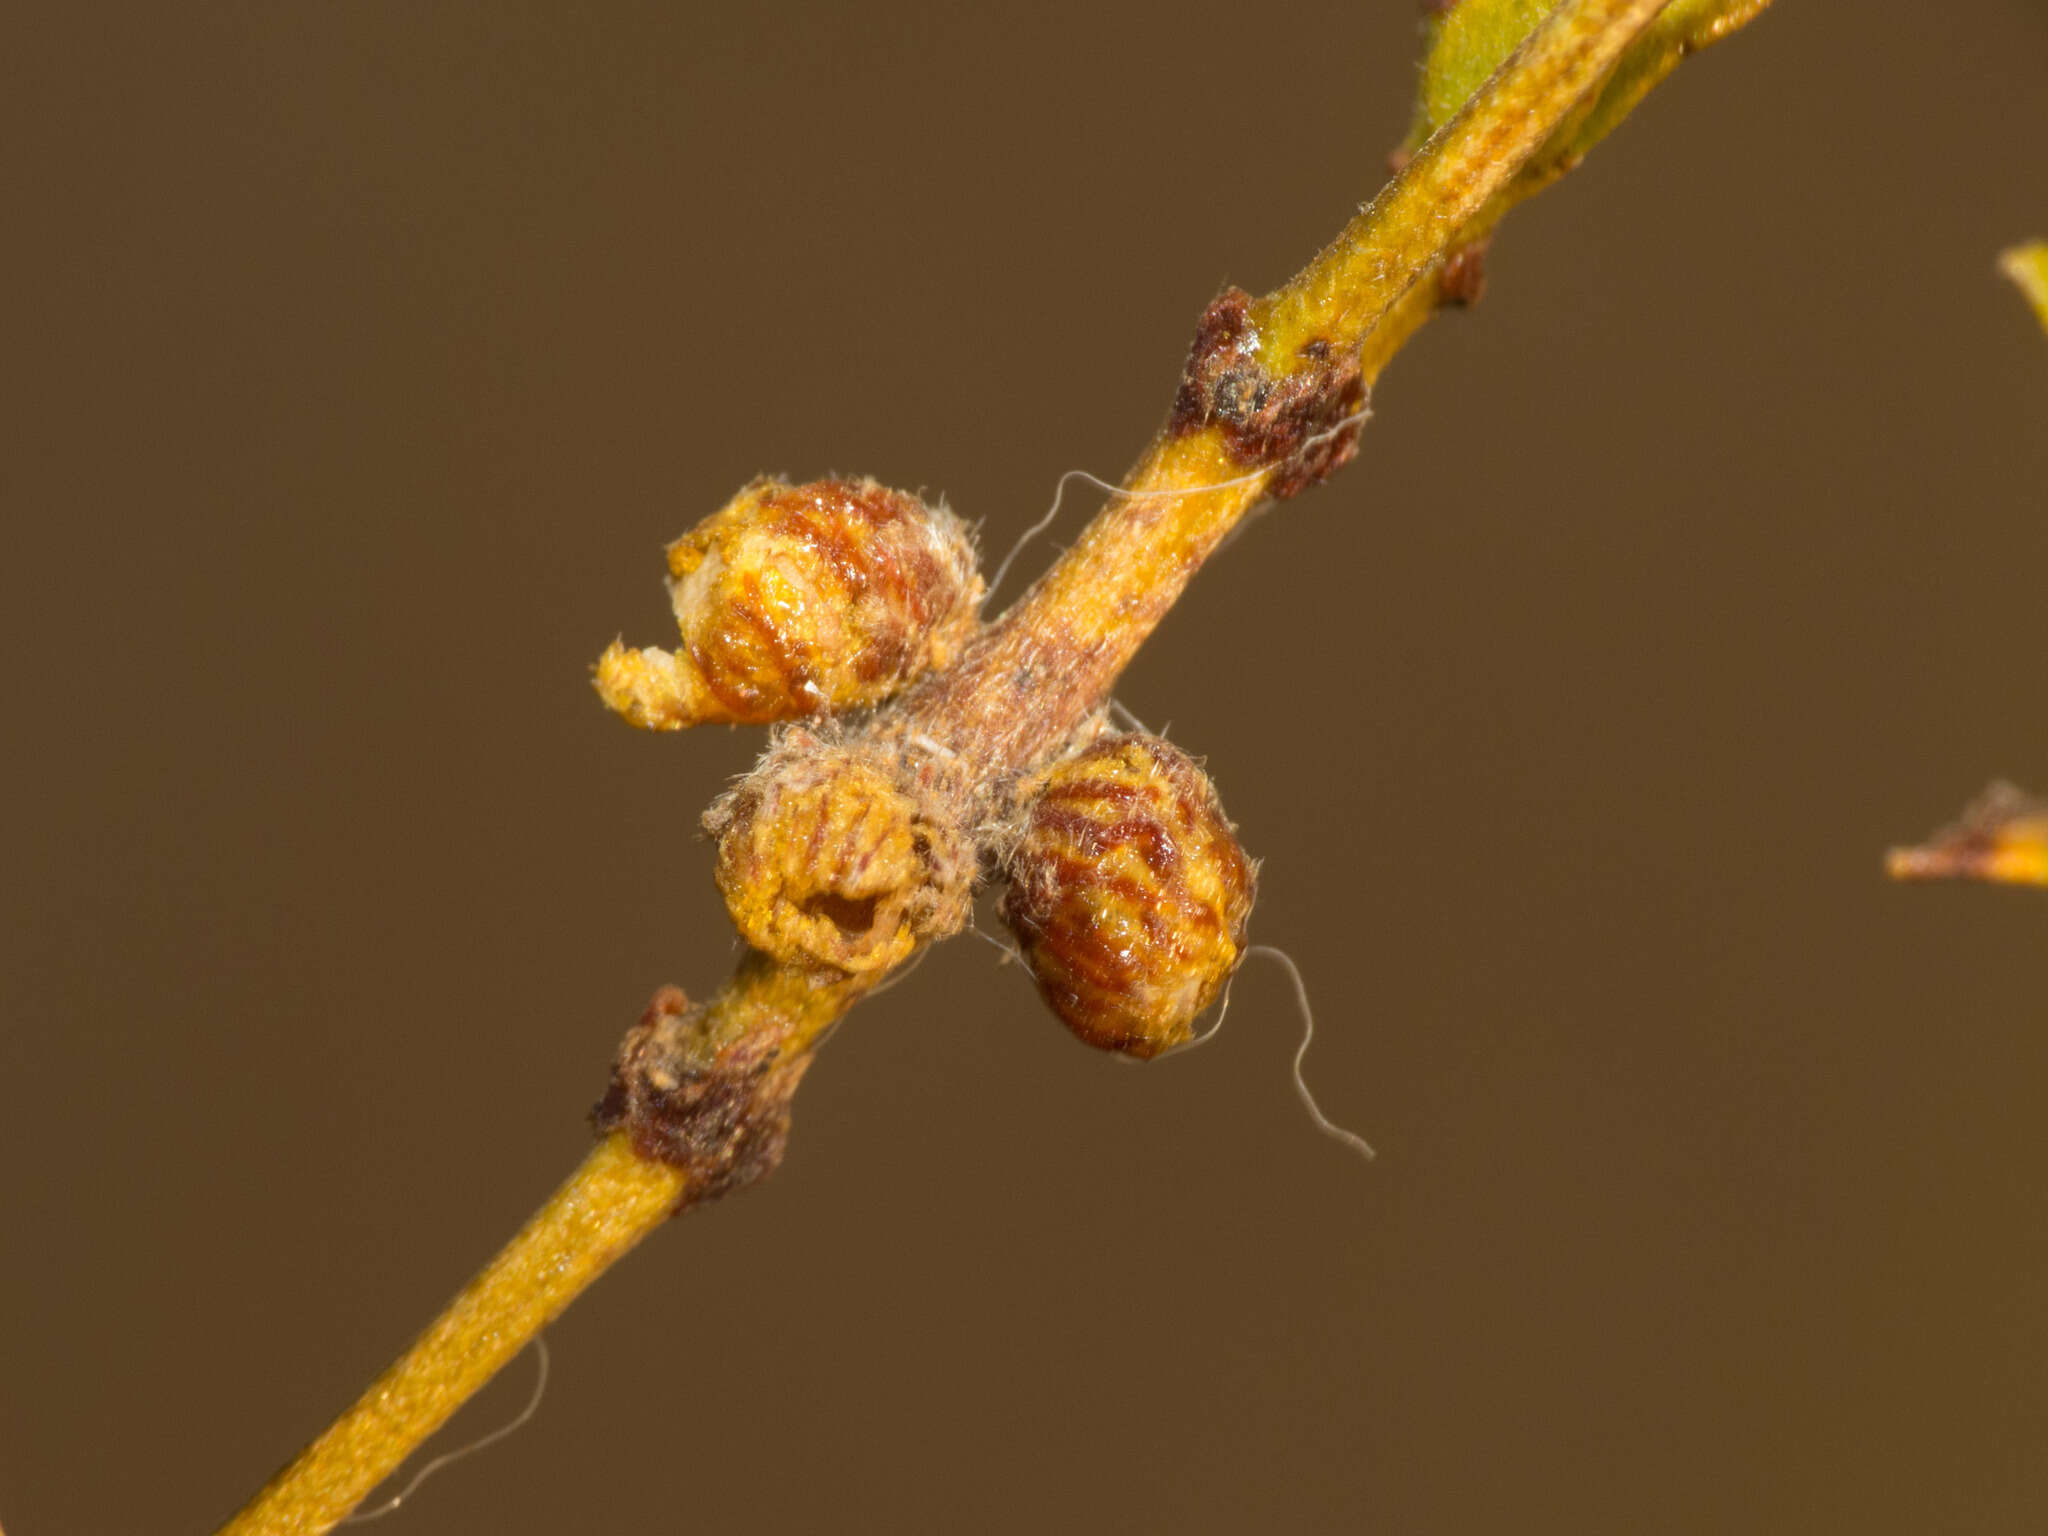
(1358, 299)
(606, 1206)
(1105, 596)
(1401, 234)
(612, 1201)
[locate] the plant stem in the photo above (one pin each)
(1100, 601)
(607, 1205)
(1424, 210)
(1020, 688)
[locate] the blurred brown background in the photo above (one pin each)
(358, 361)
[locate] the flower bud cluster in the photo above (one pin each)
(850, 845)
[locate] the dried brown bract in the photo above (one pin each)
(798, 600)
(1129, 893)
(720, 1114)
(1286, 421)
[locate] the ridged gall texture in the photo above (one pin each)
(799, 600)
(830, 856)
(1129, 893)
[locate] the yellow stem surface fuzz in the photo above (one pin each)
(798, 600)
(606, 1206)
(768, 1018)
(2001, 838)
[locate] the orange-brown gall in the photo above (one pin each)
(1128, 893)
(840, 856)
(800, 600)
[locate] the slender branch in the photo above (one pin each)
(1101, 600)
(1424, 211)
(1269, 403)
(607, 1205)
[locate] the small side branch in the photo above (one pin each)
(607, 1205)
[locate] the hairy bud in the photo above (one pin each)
(830, 855)
(799, 600)
(1129, 893)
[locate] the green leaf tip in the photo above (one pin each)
(1470, 39)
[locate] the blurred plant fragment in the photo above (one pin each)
(2002, 837)
(2027, 266)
